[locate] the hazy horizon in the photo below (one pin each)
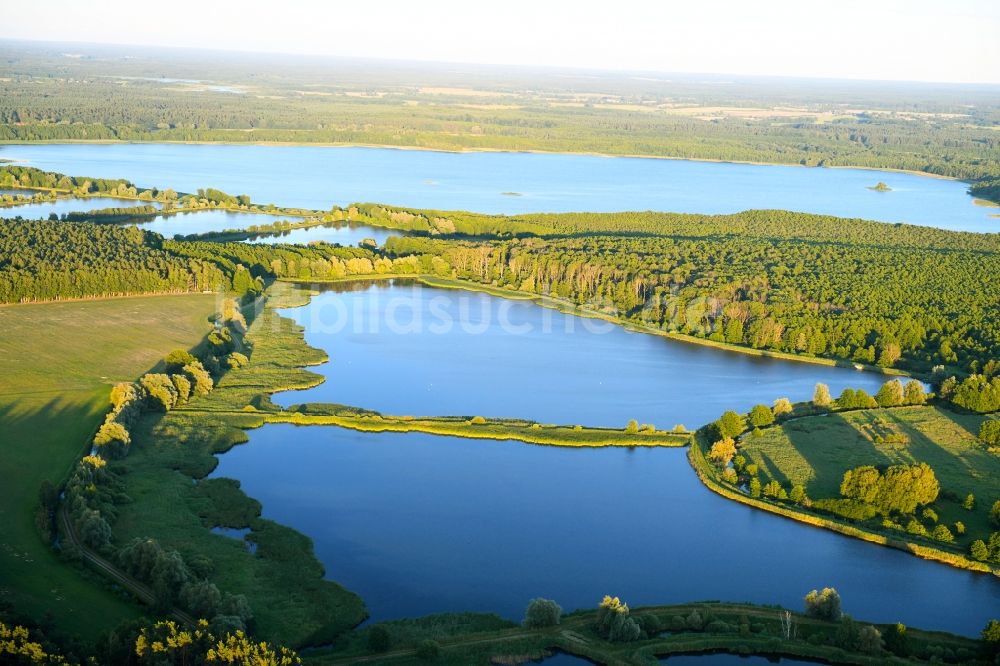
(892, 40)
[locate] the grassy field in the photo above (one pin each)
(816, 451)
(57, 362)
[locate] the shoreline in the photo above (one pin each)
(462, 151)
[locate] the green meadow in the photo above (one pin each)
(57, 364)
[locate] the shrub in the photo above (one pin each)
(942, 533)
(989, 432)
(774, 490)
(781, 406)
(978, 551)
(730, 425)
(824, 605)
(236, 360)
(542, 613)
(428, 649)
(869, 640)
(760, 416)
(177, 359)
(798, 494)
(183, 386)
(632, 427)
(378, 639)
(846, 508)
(916, 527)
(995, 513)
(477, 420)
(160, 391)
(722, 451)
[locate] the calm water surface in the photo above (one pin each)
(318, 177)
(202, 221)
(402, 348)
(42, 210)
(420, 524)
(344, 234)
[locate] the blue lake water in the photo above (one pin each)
(402, 348)
(203, 221)
(420, 524)
(319, 177)
(43, 209)
(344, 234)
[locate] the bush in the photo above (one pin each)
(177, 359)
(989, 432)
(978, 551)
(760, 416)
(378, 639)
(477, 420)
(824, 605)
(869, 640)
(942, 533)
(160, 391)
(428, 649)
(542, 613)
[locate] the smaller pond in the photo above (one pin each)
(203, 221)
(237, 533)
(346, 234)
(37, 211)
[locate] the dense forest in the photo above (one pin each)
(892, 295)
(45, 260)
(943, 130)
(893, 306)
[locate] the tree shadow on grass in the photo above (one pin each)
(831, 449)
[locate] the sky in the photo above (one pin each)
(912, 40)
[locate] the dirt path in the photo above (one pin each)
(141, 591)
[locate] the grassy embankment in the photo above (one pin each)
(57, 363)
(815, 451)
(472, 639)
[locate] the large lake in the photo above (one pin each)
(319, 177)
(419, 524)
(401, 348)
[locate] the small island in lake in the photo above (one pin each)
(511, 194)
(880, 187)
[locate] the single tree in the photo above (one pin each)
(542, 613)
(821, 397)
(824, 605)
(761, 416)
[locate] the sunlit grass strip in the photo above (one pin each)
(524, 431)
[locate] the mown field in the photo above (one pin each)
(57, 364)
(816, 451)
